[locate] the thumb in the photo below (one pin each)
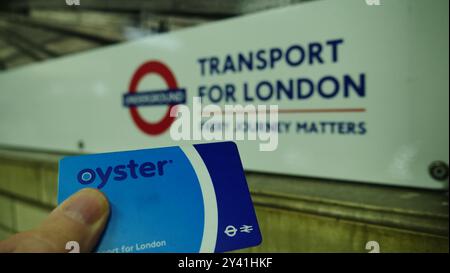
(81, 218)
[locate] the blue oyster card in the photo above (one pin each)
(191, 198)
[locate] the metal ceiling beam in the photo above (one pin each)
(63, 29)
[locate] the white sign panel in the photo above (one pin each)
(362, 90)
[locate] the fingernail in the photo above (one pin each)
(86, 206)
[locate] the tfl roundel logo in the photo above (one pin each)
(171, 96)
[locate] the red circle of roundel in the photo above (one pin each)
(161, 69)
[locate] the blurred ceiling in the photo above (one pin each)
(36, 30)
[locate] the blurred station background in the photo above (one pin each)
(296, 214)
